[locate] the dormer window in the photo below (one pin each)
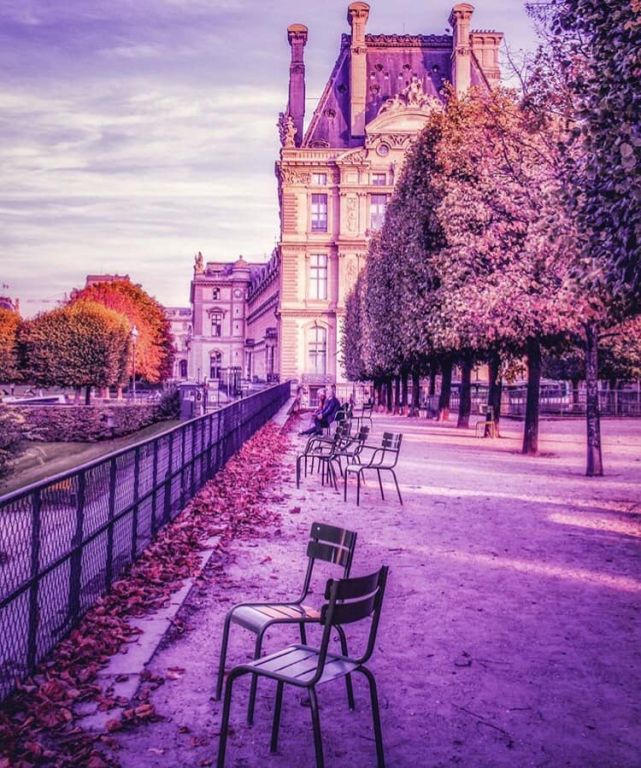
(215, 294)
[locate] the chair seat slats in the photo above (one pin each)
(298, 663)
(256, 616)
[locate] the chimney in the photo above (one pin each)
(357, 14)
(460, 21)
(485, 47)
(297, 37)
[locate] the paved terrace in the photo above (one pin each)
(510, 632)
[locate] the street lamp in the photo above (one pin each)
(134, 338)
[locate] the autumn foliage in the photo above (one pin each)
(80, 345)
(9, 323)
(154, 345)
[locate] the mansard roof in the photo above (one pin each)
(392, 62)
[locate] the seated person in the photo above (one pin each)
(324, 416)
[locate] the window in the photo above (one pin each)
(319, 179)
(317, 349)
(377, 206)
(216, 324)
(215, 294)
(379, 179)
(318, 276)
(215, 364)
(183, 369)
(319, 213)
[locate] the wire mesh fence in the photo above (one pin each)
(64, 541)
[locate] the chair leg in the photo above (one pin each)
(348, 678)
(254, 683)
(318, 744)
(303, 634)
(376, 717)
(298, 461)
(223, 657)
(345, 486)
(398, 490)
(358, 489)
(380, 483)
(276, 722)
(224, 723)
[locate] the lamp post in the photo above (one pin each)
(134, 338)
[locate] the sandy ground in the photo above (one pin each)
(510, 633)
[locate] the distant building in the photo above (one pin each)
(181, 329)
(6, 302)
(334, 182)
(93, 279)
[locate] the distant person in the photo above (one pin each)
(326, 415)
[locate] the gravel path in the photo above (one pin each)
(510, 632)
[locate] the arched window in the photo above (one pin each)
(215, 365)
(317, 349)
(183, 369)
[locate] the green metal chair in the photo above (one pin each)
(326, 543)
(383, 458)
(305, 667)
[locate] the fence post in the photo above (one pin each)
(154, 488)
(183, 442)
(113, 468)
(168, 480)
(34, 612)
(75, 569)
(134, 513)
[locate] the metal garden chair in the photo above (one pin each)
(351, 450)
(349, 600)
(365, 415)
(384, 458)
(319, 446)
(326, 543)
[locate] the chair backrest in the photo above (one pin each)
(352, 600)
(391, 441)
(362, 435)
(332, 545)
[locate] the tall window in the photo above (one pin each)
(183, 369)
(215, 294)
(319, 179)
(216, 324)
(379, 179)
(317, 349)
(318, 276)
(377, 206)
(319, 213)
(215, 364)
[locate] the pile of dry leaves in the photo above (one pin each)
(38, 726)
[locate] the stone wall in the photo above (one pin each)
(84, 423)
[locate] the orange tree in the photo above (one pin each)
(9, 323)
(81, 345)
(154, 346)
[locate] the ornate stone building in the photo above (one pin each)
(334, 181)
(180, 323)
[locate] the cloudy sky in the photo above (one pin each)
(133, 134)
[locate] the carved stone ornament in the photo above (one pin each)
(352, 213)
(294, 176)
(411, 97)
(199, 264)
(286, 130)
(354, 158)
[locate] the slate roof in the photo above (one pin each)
(392, 61)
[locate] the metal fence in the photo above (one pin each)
(64, 541)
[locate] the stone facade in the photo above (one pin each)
(180, 324)
(334, 182)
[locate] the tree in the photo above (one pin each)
(81, 345)
(9, 323)
(154, 347)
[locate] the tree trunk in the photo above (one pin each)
(432, 389)
(404, 377)
(87, 395)
(397, 394)
(416, 394)
(390, 394)
(76, 395)
(465, 398)
(377, 394)
(446, 391)
(531, 431)
(575, 394)
(594, 458)
(495, 392)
